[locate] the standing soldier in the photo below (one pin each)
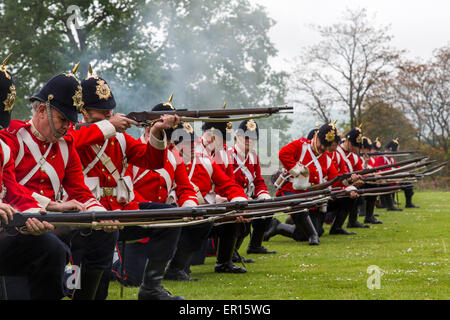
(106, 150)
(46, 162)
(247, 173)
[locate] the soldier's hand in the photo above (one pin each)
(353, 195)
(72, 205)
(6, 212)
(165, 122)
(35, 227)
(110, 228)
(121, 122)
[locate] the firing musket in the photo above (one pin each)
(146, 118)
(129, 217)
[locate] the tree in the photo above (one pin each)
(205, 52)
(223, 58)
(421, 90)
(385, 122)
(339, 71)
(110, 37)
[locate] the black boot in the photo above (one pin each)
(390, 203)
(151, 288)
(176, 270)
(289, 220)
(89, 281)
(352, 220)
(225, 249)
(408, 195)
(272, 230)
(336, 227)
(304, 223)
(236, 256)
(362, 208)
(370, 207)
(256, 238)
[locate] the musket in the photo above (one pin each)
(94, 217)
(434, 169)
(409, 167)
(393, 177)
(284, 207)
(367, 191)
(391, 153)
(146, 118)
(345, 176)
(251, 204)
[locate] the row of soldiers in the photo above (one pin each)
(54, 163)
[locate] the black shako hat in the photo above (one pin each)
(392, 145)
(327, 134)
(223, 127)
(376, 144)
(7, 94)
(355, 136)
(366, 143)
(96, 93)
(248, 128)
(64, 93)
(183, 132)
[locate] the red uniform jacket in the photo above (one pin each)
(290, 155)
(339, 163)
(208, 178)
(156, 185)
(102, 134)
(11, 191)
(247, 173)
(61, 168)
(352, 160)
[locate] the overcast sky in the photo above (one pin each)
(419, 26)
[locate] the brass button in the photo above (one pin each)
(42, 180)
(42, 191)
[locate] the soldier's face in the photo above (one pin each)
(60, 123)
(213, 139)
(98, 115)
(333, 146)
(186, 150)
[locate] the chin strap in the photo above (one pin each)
(50, 121)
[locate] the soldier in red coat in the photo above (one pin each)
(209, 181)
(106, 151)
(35, 254)
(367, 204)
(308, 162)
(349, 152)
(170, 185)
(47, 163)
(247, 173)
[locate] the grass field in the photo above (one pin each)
(410, 247)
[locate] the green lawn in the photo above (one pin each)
(411, 247)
